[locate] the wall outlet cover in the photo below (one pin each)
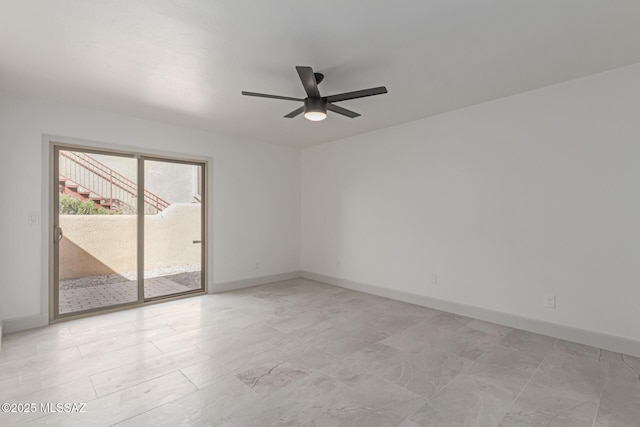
(550, 301)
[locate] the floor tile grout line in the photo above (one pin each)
(529, 380)
(595, 415)
(94, 387)
(157, 406)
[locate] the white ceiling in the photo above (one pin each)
(185, 62)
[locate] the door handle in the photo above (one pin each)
(58, 235)
(197, 241)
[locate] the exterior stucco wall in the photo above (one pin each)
(105, 244)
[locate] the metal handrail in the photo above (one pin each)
(101, 180)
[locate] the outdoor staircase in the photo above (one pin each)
(74, 190)
(85, 178)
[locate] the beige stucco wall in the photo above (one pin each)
(104, 244)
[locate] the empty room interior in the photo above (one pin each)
(338, 213)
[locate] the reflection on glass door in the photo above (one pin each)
(173, 231)
(95, 225)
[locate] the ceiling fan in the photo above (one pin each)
(315, 106)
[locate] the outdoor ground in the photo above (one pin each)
(90, 292)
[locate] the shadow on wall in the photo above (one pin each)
(76, 262)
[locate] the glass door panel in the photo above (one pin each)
(173, 220)
(95, 231)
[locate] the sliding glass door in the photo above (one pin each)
(127, 229)
(172, 229)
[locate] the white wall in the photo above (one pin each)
(256, 194)
(506, 201)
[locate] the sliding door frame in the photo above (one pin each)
(203, 228)
(58, 144)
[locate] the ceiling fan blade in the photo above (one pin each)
(264, 95)
(308, 80)
(343, 111)
(357, 94)
(295, 112)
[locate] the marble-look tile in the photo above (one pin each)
(190, 339)
(24, 384)
(381, 403)
(471, 343)
(52, 375)
(505, 368)
(30, 364)
(578, 350)
(207, 372)
(533, 344)
(340, 343)
(206, 407)
(220, 319)
(620, 401)
(407, 308)
(371, 401)
(296, 320)
(434, 332)
(374, 359)
(77, 391)
(32, 337)
(291, 406)
(381, 318)
(124, 404)
(267, 378)
(142, 370)
(308, 357)
(427, 372)
(489, 328)
(632, 362)
(17, 351)
(408, 423)
(466, 401)
(125, 340)
(85, 336)
(239, 340)
(576, 377)
(543, 406)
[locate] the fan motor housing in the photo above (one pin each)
(315, 104)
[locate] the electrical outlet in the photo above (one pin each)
(550, 301)
(257, 267)
(434, 279)
(338, 265)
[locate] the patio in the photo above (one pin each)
(101, 291)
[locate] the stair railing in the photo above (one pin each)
(104, 182)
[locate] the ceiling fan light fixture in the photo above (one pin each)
(315, 116)
(315, 105)
(315, 109)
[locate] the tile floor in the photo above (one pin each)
(303, 353)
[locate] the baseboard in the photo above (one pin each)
(252, 281)
(569, 333)
(23, 323)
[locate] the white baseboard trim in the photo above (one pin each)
(252, 281)
(569, 333)
(24, 323)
